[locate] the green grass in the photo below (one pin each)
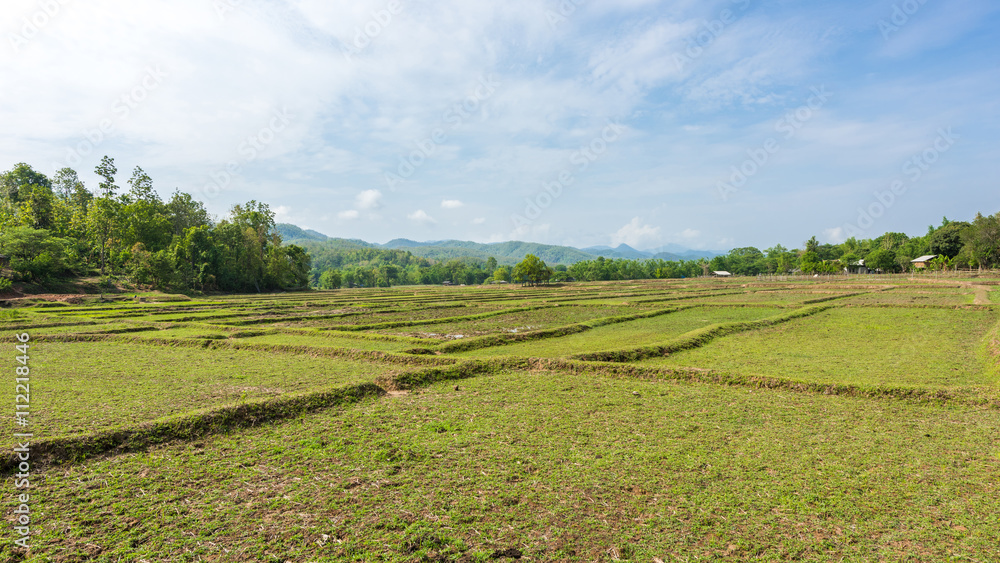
(332, 340)
(572, 461)
(899, 347)
(775, 296)
(914, 297)
(93, 386)
(558, 467)
(515, 322)
(629, 334)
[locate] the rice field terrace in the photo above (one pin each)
(816, 419)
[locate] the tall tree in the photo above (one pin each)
(947, 239)
(982, 240)
(532, 270)
(21, 176)
(107, 170)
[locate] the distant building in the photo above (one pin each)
(922, 261)
(446, 282)
(721, 274)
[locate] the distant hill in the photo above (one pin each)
(407, 243)
(620, 251)
(670, 252)
(291, 232)
(510, 252)
(505, 252)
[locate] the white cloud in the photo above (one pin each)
(690, 233)
(281, 214)
(835, 235)
(260, 102)
(421, 217)
(635, 234)
(479, 220)
(369, 199)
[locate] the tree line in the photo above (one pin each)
(957, 244)
(53, 228)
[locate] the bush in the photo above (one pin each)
(36, 255)
(5, 284)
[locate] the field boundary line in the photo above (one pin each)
(698, 337)
(353, 335)
(966, 306)
(736, 379)
(16, 327)
(376, 356)
(187, 426)
(494, 340)
(420, 322)
(832, 297)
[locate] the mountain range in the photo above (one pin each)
(509, 252)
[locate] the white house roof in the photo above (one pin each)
(722, 273)
(924, 258)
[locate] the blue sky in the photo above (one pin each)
(580, 122)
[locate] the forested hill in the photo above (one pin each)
(507, 253)
(510, 252)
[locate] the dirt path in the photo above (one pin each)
(982, 295)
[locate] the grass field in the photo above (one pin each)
(635, 333)
(104, 385)
(907, 347)
(452, 424)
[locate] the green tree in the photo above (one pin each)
(330, 280)
(982, 240)
(849, 260)
(143, 216)
(65, 183)
(36, 255)
(103, 220)
(532, 270)
(882, 259)
(107, 170)
(185, 212)
(947, 240)
(502, 273)
(22, 175)
(810, 263)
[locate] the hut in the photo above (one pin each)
(923, 261)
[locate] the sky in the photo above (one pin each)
(709, 125)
